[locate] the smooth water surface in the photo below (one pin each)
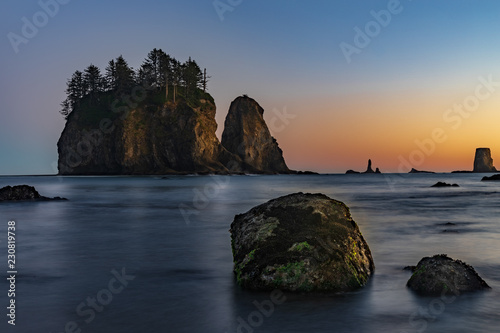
(170, 237)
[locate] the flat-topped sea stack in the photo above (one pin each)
(483, 161)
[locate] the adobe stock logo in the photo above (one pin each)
(221, 7)
(40, 19)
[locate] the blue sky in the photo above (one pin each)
(285, 54)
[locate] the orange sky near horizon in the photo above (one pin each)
(337, 133)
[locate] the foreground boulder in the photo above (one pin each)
(440, 275)
(21, 193)
(300, 242)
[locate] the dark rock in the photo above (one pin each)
(305, 173)
(413, 170)
(23, 193)
(440, 275)
(492, 178)
(168, 138)
(369, 168)
(442, 184)
(461, 171)
(483, 161)
(410, 268)
(300, 242)
(247, 136)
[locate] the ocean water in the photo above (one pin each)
(146, 254)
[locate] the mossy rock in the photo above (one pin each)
(441, 275)
(300, 242)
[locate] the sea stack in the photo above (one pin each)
(247, 136)
(483, 161)
(369, 168)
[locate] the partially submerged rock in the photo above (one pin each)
(300, 242)
(441, 275)
(23, 193)
(494, 177)
(413, 170)
(442, 184)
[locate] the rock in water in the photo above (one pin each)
(443, 184)
(150, 138)
(300, 242)
(438, 275)
(492, 178)
(23, 193)
(369, 168)
(413, 170)
(247, 136)
(483, 161)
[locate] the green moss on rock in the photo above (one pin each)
(300, 242)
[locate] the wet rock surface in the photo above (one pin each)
(300, 242)
(23, 193)
(441, 275)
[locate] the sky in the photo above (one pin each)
(404, 83)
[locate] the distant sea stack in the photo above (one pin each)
(247, 136)
(483, 161)
(368, 169)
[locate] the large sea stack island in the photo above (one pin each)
(159, 119)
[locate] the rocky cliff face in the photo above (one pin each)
(150, 139)
(165, 138)
(247, 136)
(483, 161)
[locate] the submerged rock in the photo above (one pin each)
(494, 177)
(442, 184)
(439, 275)
(23, 193)
(300, 242)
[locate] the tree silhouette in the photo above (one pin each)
(93, 82)
(159, 70)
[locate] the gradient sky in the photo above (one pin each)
(398, 89)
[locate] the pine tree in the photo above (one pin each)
(110, 76)
(205, 80)
(75, 90)
(93, 82)
(124, 76)
(192, 76)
